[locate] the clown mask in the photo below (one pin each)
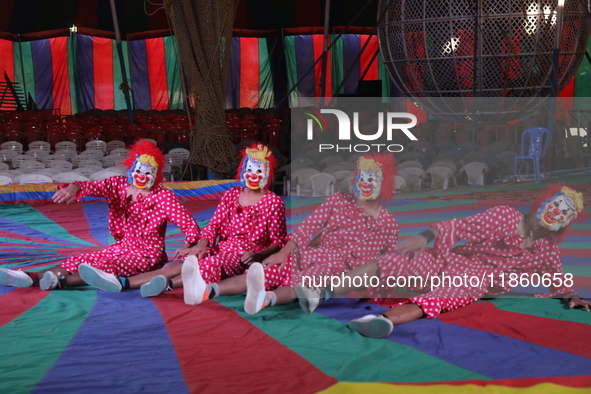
(557, 212)
(142, 175)
(368, 185)
(255, 174)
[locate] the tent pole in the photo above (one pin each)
(325, 50)
(124, 85)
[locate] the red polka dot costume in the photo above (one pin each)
(337, 237)
(139, 227)
(239, 229)
(492, 248)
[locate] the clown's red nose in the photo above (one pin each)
(141, 177)
(556, 211)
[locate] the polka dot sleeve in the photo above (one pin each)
(477, 227)
(316, 221)
(178, 215)
(276, 221)
(213, 229)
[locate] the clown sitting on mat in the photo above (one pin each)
(139, 209)
(247, 226)
(503, 245)
(346, 231)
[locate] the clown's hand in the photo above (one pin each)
(250, 257)
(279, 258)
(577, 302)
(199, 249)
(67, 194)
(183, 251)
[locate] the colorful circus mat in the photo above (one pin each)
(83, 339)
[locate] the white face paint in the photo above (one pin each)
(557, 212)
(255, 175)
(368, 185)
(143, 175)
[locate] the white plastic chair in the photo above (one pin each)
(115, 144)
(96, 154)
(12, 145)
(174, 160)
(61, 165)
(446, 163)
(87, 171)
(298, 178)
(119, 152)
(475, 172)
(4, 167)
(7, 155)
(410, 163)
(30, 166)
(321, 184)
(5, 180)
(342, 166)
(69, 177)
(119, 170)
(34, 178)
(415, 178)
(43, 145)
(440, 177)
(403, 173)
(65, 145)
(330, 160)
(87, 162)
(182, 152)
(399, 182)
(50, 172)
(96, 145)
(111, 160)
(103, 174)
(38, 154)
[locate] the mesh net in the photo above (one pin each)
(203, 29)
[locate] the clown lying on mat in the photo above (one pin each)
(502, 244)
(139, 209)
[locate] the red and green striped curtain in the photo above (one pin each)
(153, 72)
(46, 71)
(301, 51)
(250, 77)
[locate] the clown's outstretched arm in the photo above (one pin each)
(69, 192)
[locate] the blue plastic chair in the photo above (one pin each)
(538, 141)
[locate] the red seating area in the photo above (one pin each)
(161, 126)
(256, 124)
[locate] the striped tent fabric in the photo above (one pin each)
(154, 73)
(46, 70)
(80, 72)
(251, 79)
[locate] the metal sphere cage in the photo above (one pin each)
(461, 52)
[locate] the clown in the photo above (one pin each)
(139, 210)
(256, 167)
(499, 243)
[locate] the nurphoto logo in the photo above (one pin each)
(346, 133)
